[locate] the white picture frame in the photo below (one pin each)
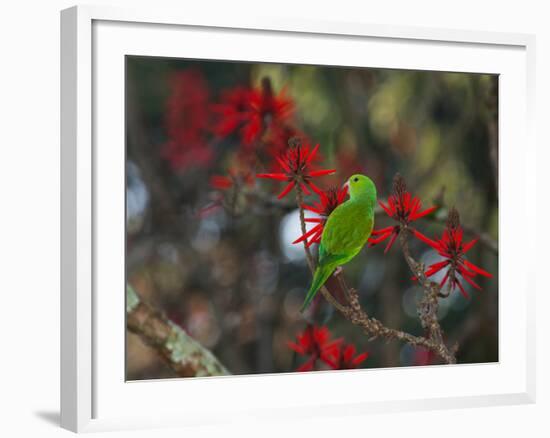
(93, 395)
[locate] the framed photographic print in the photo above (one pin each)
(264, 207)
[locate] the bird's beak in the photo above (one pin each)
(346, 185)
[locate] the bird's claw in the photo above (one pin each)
(338, 271)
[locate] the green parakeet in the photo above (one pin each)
(346, 231)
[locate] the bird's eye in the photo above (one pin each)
(355, 179)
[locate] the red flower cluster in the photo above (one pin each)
(328, 201)
(452, 248)
(187, 121)
(296, 166)
(347, 360)
(252, 112)
(255, 113)
(403, 208)
(258, 115)
(316, 343)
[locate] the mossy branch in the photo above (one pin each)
(186, 356)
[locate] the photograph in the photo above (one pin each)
(287, 218)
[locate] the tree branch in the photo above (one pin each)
(374, 328)
(182, 353)
(428, 306)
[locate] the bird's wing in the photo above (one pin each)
(326, 258)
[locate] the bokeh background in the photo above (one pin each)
(220, 263)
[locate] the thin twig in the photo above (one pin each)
(374, 328)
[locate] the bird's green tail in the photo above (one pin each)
(322, 273)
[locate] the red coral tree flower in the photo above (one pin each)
(296, 166)
(328, 201)
(231, 111)
(252, 112)
(403, 208)
(315, 343)
(452, 248)
(347, 360)
(234, 177)
(187, 121)
(268, 109)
